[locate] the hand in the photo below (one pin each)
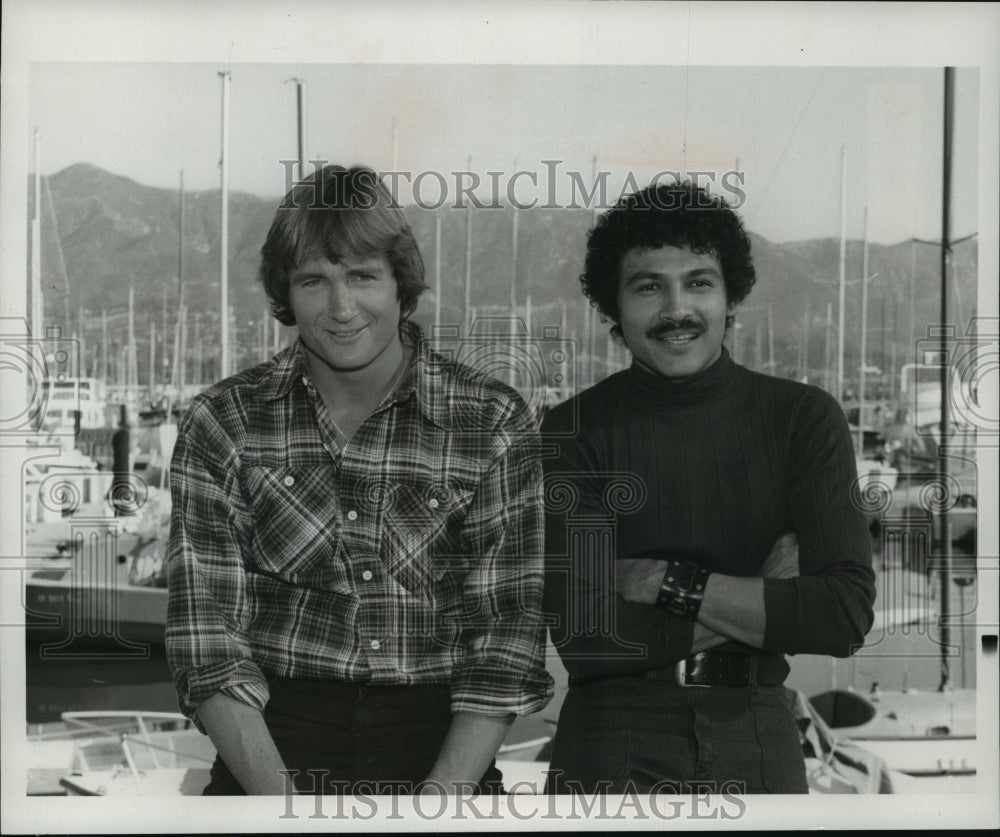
(783, 560)
(639, 579)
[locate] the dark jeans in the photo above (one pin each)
(356, 738)
(629, 733)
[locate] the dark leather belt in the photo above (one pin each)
(729, 668)
(714, 668)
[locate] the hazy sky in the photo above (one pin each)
(783, 126)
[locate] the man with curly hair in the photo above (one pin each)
(355, 563)
(673, 613)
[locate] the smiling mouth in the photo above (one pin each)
(346, 335)
(677, 339)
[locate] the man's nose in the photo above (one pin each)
(340, 302)
(674, 303)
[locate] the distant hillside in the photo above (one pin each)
(102, 233)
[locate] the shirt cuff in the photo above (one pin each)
(240, 680)
(486, 691)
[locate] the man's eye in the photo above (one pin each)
(647, 287)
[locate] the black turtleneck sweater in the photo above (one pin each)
(712, 469)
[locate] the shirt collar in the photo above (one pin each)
(422, 377)
(706, 384)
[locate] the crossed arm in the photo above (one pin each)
(732, 608)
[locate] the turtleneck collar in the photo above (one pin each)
(702, 386)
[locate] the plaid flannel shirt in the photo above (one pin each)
(410, 555)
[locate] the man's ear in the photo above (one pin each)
(731, 309)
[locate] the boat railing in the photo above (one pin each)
(102, 731)
(133, 743)
(181, 748)
(130, 763)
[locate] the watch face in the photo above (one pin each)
(677, 606)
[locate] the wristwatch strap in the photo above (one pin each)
(682, 589)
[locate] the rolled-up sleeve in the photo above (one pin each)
(503, 666)
(207, 612)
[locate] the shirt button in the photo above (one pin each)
(289, 481)
(352, 515)
(367, 575)
(433, 503)
(375, 645)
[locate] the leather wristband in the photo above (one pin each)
(682, 589)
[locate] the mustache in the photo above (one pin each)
(665, 327)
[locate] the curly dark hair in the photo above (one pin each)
(339, 213)
(666, 214)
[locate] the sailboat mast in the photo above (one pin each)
(770, 340)
(437, 271)
(152, 356)
(843, 275)
(513, 287)
(949, 116)
(300, 110)
(37, 310)
(179, 358)
(804, 356)
(198, 359)
(132, 370)
(468, 262)
(300, 120)
(826, 346)
(181, 354)
(864, 341)
(105, 343)
(224, 231)
(590, 313)
(513, 256)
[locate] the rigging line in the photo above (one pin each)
(55, 231)
(788, 144)
(951, 242)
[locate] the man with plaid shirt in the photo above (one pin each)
(355, 549)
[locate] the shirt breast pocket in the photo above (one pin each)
(421, 538)
(293, 514)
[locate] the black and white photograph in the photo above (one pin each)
(494, 417)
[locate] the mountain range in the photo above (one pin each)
(102, 234)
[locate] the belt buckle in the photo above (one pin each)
(680, 676)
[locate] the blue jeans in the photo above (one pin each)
(356, 738)
(628, 733)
